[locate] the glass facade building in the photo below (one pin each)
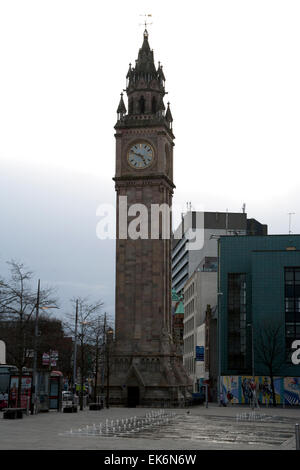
(259, 285)
(292, 307)
(236, 320)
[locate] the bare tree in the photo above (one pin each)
(100, 349)
(18, 304)
(269, 349)
(97, 338)
(89, 318)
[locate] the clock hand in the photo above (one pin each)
(140, 155)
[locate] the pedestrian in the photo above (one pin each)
(229, 397)
(222, 399)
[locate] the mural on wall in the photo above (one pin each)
(264, 390)
(248, 388)
(240, 389)
(292, 390)
(231, 388)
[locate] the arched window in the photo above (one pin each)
(142, 104)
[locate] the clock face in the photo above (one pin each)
(140, 155)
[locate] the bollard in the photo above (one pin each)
(297, 433)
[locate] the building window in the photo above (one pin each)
(236, 321)
(292, 308)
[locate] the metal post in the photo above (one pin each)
(81, 368)
(96, 365)
(107, 373)
(103, 355)
(219, 328)
(36, 331)
(206, 395)
(297, 435)
(75, 350)
(108, 341)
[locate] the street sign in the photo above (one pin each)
(200, 353)
(45, 359)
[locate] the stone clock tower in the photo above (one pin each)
(145, 367)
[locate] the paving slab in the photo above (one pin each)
(196, 428)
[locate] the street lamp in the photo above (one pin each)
(36, 331)
(75, 351)
(103, 356)
(109, 337)
(82, 323)
(34, 372)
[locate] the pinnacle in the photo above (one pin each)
(121, 108)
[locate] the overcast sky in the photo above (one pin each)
(232, 74)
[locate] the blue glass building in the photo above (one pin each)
(259, 286)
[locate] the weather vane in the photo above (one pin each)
(145, 24)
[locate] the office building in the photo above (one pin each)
(259, 315)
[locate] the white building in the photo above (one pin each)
(199, 291)
(194, 274)
(207, 227)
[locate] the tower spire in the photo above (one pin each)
(145, 89)
(169, 116)
(145, 60)
(121, 108)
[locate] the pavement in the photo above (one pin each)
(195, 428)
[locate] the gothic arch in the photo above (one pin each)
(142, 104)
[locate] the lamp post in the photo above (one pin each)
(108, 340)
(82, 361)
(36, 332)
(35, 350)
(75, 351)
(96, 364)
(103, 357)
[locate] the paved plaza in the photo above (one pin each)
(192, 428)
